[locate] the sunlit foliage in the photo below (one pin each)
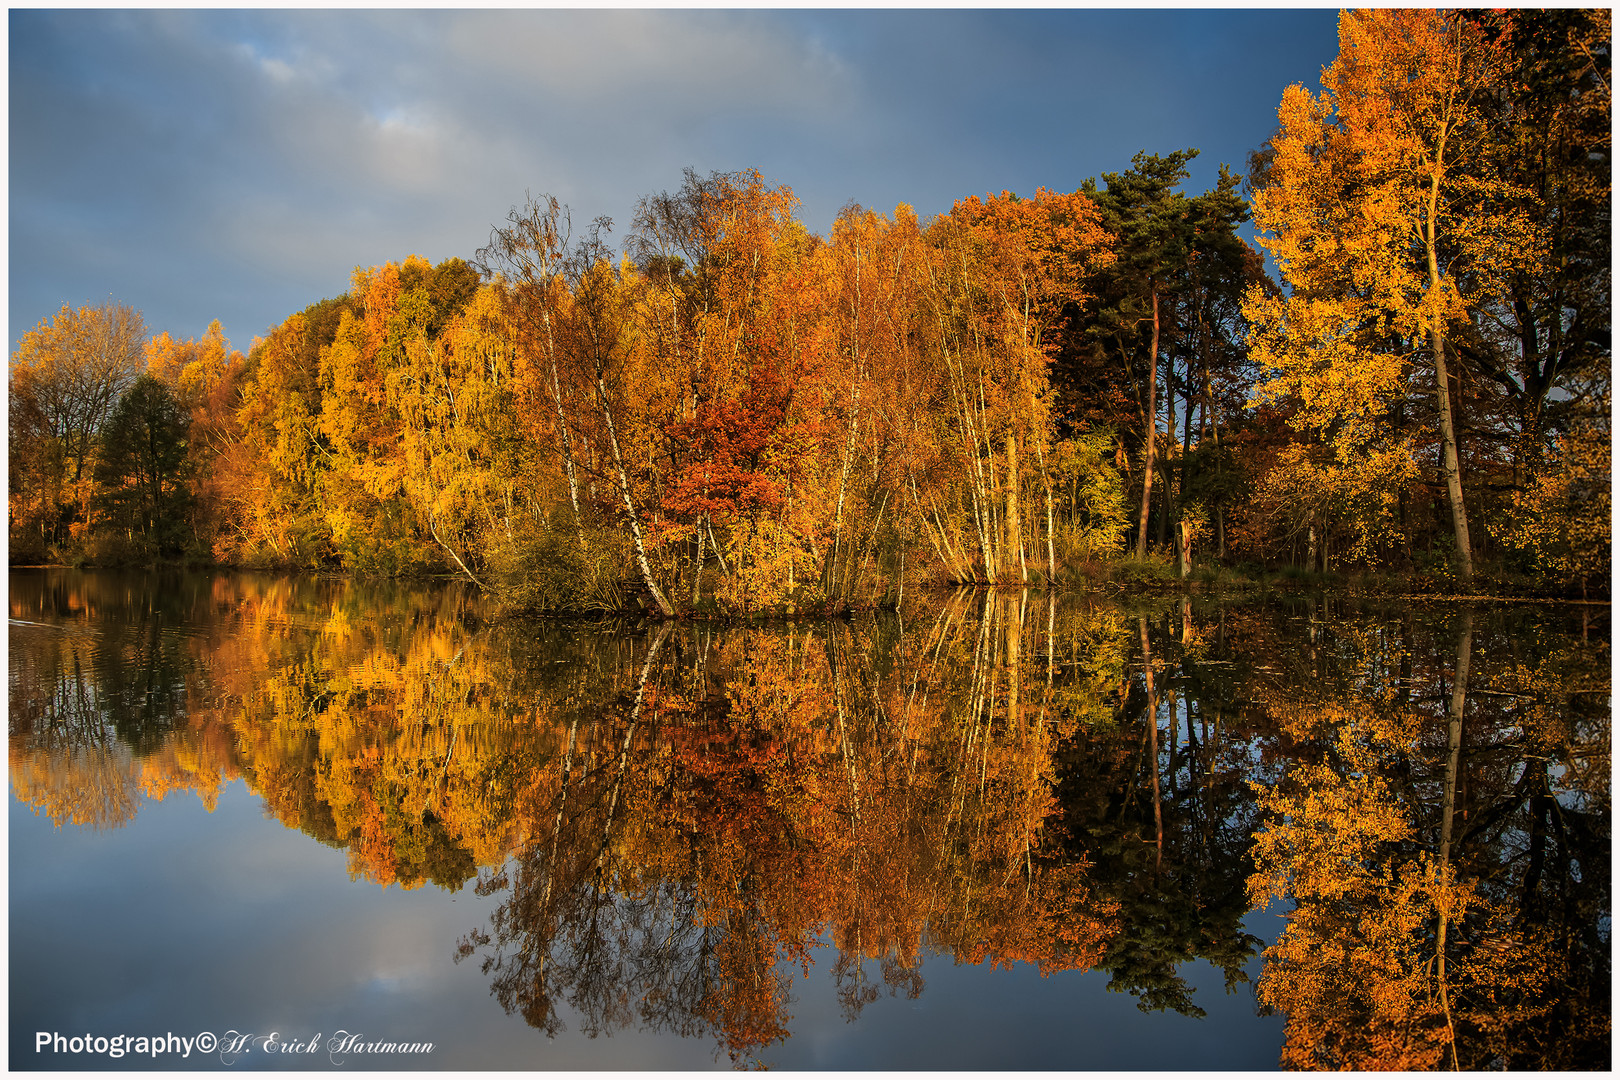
(728, 414)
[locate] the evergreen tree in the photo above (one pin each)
(142, 470)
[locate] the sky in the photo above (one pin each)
(238, 165)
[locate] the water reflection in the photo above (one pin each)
(675, 820)
(752, 791)
(1444, 837)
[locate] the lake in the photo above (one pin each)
(302, 822)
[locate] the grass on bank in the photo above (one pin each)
(556, 572)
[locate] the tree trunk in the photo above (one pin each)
(1153, 742)
(1013, 631)
(830, 575)
(1152, 430)
(1450, 462)
(567, 438)
(1168, 498)
(1448, 435)
(1014, 523)
(1454, 726)
(697, 565)
(1051, 547)
(433, 528)
(629, 504)
(1189, 391)
(1166, 491)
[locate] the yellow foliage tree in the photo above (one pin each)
(1390, 227)
(1564, 520)
(66, 377)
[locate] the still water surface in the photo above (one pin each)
(999, 831)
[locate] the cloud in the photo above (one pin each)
(238, 164)
(662, 63)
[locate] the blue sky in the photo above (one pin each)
(237, 165)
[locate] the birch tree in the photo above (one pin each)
(1390, 229)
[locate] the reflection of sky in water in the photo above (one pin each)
(979, 1018)
(184, 921)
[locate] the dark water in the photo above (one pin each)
(1000, 831)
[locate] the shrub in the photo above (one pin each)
(1151, 569)
(546, 570)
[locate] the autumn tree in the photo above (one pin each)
(323, 456)
(733, 309)
(529, 250)
(1051, 247)
(206, 376)
(192, 367)
(1391, 229)
(464, 461)
(368, 520)
(601, 342)
(1541, 343)
(283, 450)
(1564, 520)
(1004, 272)
(67, 376)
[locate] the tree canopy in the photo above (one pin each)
(735, 414)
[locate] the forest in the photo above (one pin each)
(1405, 376)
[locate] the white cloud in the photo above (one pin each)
(279, 70)
(657, 61)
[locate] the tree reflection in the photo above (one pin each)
(1415, 850)
(1155, 793)
(678, 822)
(98, 697)
(884, 789)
